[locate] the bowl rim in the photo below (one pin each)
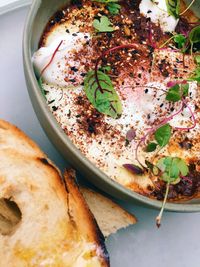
(33, 87)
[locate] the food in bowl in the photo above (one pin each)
(121, 79)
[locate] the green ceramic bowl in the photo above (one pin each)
(39, 15)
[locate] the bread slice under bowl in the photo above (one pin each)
(110, 216)
(43, 222)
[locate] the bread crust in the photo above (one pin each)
(56, 224)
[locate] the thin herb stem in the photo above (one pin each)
(192, 2)
(52, 58)
(166, 42)
(193, 118)
(153, 129)
(133, 46)
(159, 217)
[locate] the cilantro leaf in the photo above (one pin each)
(174, 93)
(103, 25)
(173, 7)
(102, 95)
(180, 39)
(163, 134)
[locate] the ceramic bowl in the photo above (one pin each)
(39, 15)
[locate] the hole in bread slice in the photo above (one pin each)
(10, 216)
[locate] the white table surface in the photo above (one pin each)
(175, 244)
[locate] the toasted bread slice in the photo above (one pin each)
(43, 221)
(110, 216)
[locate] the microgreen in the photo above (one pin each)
(163, 134)
(173, 7)
(176, 92)
(151, 147)
(194, 35)
(105, 68)
(41, 87)
(134, 169)
(154, 169)
(99, 88)
(112, 5)
(103, 24)
(197, 60)
(185, 89)
(172, 168)
(113, 8)
(180, 40)
(101, 93)
(106, 1)
(196, 75)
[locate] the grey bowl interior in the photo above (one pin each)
(39, 15)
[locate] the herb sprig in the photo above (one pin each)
(162, 137)
(173, 7)
(101, 93)
(112, 5)
(103, 24)
(172, 169)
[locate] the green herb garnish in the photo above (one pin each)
(103, 24)
(105, 68)
(172, 168)
(101, 93)
(180, 40)
(197, 60)
(196, 73)
(151, 147)
(173, 7)
(194, 37)
(163, 134)
(114, 8)
(41, 87)
(112, 5)
(176, 92)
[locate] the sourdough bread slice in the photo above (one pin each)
(110, 216)
(43, 221)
